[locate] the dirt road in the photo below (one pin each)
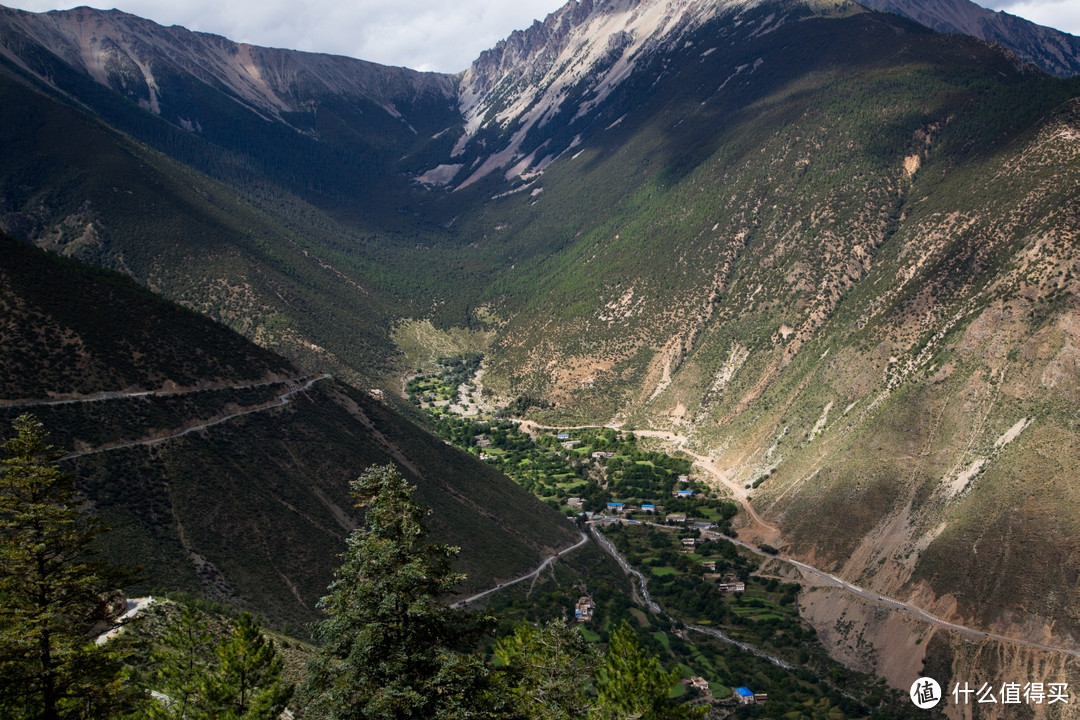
(539, 569)
(282, 398)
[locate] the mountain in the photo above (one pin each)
(139, 60)
(223, 468)
(330, 120)
(838, 259)
(1056, 52)
(829, 251)
(568, 64)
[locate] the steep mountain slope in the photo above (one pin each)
(1054, 51)
(223, 468)
(760, 140)
(328, 128)
(840, 258)
(75, 186)
(568, 64)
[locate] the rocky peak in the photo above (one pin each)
(525, 80)
(1056, 52)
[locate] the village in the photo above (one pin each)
(666, 522)
(596, 471)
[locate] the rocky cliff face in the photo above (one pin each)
(567, 65)
(1055, 52)
(570, 63)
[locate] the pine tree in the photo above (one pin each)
(182, 663)
(549, 670)
(246, 685)
(51, 592)
(390, 648)
(632, 684)
(239, 679)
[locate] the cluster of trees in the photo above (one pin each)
(390, 648)
(51, 593)
(238, 678)
(444, 386)
(549, 471)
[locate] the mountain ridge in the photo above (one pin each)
(523, 80)
(120, 50)
(1056, 52)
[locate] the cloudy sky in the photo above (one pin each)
(442, 35)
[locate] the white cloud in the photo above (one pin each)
(1061, 14)
(442, 35)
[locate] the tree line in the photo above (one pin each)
(389, 648)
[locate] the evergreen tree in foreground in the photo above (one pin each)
(51, 592)
(181, 665)
(632, 685)
(247, 684)
(390, 648)
(549, 671)
(240, 679)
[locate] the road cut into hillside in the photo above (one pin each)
(532, 574)
(294, 386)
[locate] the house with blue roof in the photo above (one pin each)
(748, 697)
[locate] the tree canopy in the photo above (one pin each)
(238, 679)
(632, 684)
(549, 671)
(390, 647)
(52, 592)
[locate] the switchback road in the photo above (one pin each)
(282, 399)
(539, 569)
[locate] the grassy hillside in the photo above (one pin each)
(708, 219)
(253, 509)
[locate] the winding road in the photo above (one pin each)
(901, 606)
(889, 602)
(659, 611)
(535, 573)
(760, 526)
